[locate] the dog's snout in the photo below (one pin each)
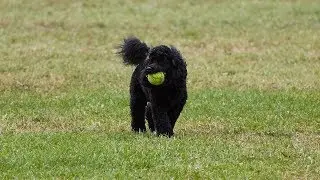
(149, 69)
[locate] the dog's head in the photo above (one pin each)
(165, 59)
(152, 60)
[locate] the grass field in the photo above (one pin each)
(254, 90)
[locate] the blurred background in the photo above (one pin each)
(254, 79)
(49, 45)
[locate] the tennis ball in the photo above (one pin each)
(156, 78)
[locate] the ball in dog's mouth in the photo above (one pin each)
(156, 78)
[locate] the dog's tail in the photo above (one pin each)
(133, 51)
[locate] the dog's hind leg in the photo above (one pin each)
(174, 113)
(149, 117)
(137, 106)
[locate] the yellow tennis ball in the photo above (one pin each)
(156, 78)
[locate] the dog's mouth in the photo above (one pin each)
(154, 79)
(164, 73)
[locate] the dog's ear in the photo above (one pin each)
(176, 58)
(179, 65)
(133, 51)
(173, 61)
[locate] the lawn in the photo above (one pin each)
(253, 80)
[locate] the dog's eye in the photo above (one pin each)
(152, 60)
(149, 60)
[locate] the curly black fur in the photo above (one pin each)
(161, 105)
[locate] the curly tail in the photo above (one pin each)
(133, 51)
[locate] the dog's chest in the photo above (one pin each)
(161, 96)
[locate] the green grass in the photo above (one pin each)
(254, 90)
(125, 155)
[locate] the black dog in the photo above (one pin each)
(161, 104)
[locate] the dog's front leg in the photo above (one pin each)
(162, 122)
